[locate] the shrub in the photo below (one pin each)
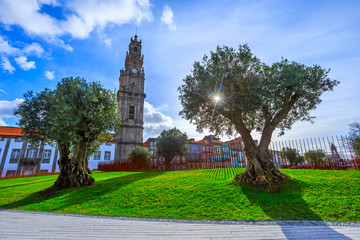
(292, 155)
(315, 156)
(140, 155)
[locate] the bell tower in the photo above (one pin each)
(130, 98)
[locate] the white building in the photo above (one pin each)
(18, 157)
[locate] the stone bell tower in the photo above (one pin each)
(131, 101)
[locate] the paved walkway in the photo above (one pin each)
(32, 225)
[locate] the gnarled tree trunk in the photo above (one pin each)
(260, 169)
(73, 171)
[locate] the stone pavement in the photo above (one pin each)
(36, 225)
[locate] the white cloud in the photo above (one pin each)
(50, 75)
(3, 91)
(6, 65)
(24, 64)
(83, 17)
(91, 14)
(2, 122)
(167, 17)
(154, 121)
(49, 2)
(34, 49)
(6, 48)
(104, 38)
(27, 14)
(7, 109)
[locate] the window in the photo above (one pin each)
(31, 153)
(46, 156)
(108, 144)
(131, 112)
(152, 152)
(15, 156)
(44, 171)
(107, 155)
(28, 170)
(135, 49)
(97, 155)
(10, 173)
(151, 144)
(203, 148)
(2, 138)
(18, 139)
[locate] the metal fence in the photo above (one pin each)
(312, 153)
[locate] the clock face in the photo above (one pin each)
(134, 70)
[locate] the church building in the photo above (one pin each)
(131, 101)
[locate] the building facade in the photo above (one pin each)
(150, 145)
(19, 157)
(131, 101)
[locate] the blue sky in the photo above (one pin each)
(42, 41)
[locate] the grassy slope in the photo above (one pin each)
(201, 194)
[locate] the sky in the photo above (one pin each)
(43, 41)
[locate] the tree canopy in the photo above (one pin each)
(171, 143)
(232, 91)
(292, 155)
(139, 154)
(75, 113)
(315, 156)
(354, 137)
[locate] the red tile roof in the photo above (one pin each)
(10, 131)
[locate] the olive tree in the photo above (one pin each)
(76, 114)
(171, 143)
(292, 155)
(232, 91)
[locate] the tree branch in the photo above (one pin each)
(289, 102)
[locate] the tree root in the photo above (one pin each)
(270, 180)
(71, 177)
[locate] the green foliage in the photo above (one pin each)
(356, 146)
(139, 154)
(202, 194)
(292, 155)
(75, 111)
(354, 137)
(260, 96)
(315, 156)
(171, 143)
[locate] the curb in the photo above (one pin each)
(203, 221)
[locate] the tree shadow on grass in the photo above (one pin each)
(286, 203)
(77, 196)
(27, 183)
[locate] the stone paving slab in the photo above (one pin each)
(36, 225)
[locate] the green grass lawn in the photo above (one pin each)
(200, 194)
